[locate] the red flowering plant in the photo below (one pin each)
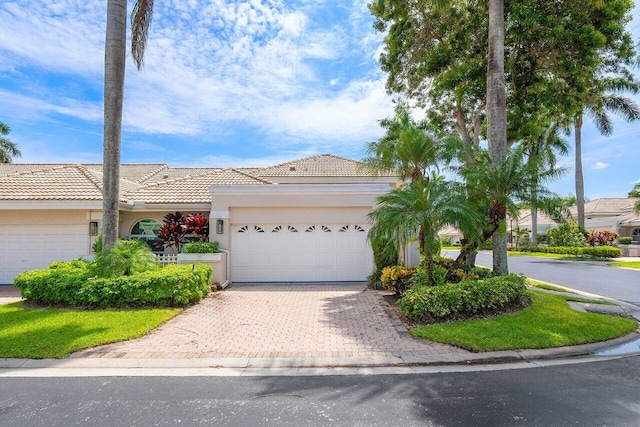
(178, 229)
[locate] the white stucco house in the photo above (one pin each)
(300, 221)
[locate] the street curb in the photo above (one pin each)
(489, 358)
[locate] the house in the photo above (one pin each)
(301, 221)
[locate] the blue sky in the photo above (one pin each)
(226, 83)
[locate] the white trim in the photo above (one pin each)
(153, 207)
(49, 204)
(301, 189)
(219, 214)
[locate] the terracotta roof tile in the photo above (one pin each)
(605, 206)
(191, 189)
(320, 165)
(70, 182)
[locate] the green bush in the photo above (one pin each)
(75, 284)
(202, 248)
(567, 235)
(384, 255)
(445, 241)
(597, 251)
(463, 299)
(124, 258)
(625, 240)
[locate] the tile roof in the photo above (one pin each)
(605, 206)
(190, 189)
(320, 165)
(70, 182)
(174, 173)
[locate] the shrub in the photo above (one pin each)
(464, 299)
(384, 255)
(598, 251)
(73, 284)
(445, 241)
(625, 240)
(602, 238)
(396, 278)
(202, 248)
(567, 235)
(125, 257)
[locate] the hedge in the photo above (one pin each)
(597, 251)
(464, 299)
(74, 284)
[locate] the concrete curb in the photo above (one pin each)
(490, 358)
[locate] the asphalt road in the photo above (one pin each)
(594, 277)
(592, 394)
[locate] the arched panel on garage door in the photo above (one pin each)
(300, 253)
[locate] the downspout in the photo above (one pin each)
(228, 281)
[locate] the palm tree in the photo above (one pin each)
(599, 102)
(8, 149)
(410, 148)
(420, 210)
(114, 65)
(541, 157)
(636, 207)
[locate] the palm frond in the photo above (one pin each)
(140, 22)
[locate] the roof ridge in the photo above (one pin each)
(298, 160)
(251, 176)
(152, 173)
(85, 171)
(32, 171)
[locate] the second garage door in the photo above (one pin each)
(300, 253)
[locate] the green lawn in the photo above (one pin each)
(548, 322)
(546, 286)
(628, 264)
(38, 333)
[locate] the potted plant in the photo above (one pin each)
(206, 253)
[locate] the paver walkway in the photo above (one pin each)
(288, 321)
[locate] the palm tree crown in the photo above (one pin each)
(8, 149)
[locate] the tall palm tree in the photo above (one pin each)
(602, 99)
(420, 210)
(636, 207)
(8, 149)
(114, 66)
(541, 157)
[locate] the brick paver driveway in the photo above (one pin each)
(275, 321)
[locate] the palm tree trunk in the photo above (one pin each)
(114, 65)
(534, 225)
(579, 177)
(497, 116)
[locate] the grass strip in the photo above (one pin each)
(38, 333)
(546, 286)
(588, 300)
(558, 256)
(549, 322)
(628, 264)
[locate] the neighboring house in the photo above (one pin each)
(298, 221)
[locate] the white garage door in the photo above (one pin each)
(27, 247)
(300, 253)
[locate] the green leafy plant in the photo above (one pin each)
(625, 240)
(97, 246)
(463, 299)
(597, 251)
(124, 258)
(567, 235)
(73, 284)
(201, 248)
(397, 278)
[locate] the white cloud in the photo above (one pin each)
(600, 165)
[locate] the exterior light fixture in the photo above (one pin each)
(93, 228)
(219, 226)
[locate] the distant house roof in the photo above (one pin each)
(320, 165)
(605, 206)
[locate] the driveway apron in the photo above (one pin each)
(271, 321)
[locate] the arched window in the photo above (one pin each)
(147, 230)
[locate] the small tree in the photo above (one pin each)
(568, 234)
